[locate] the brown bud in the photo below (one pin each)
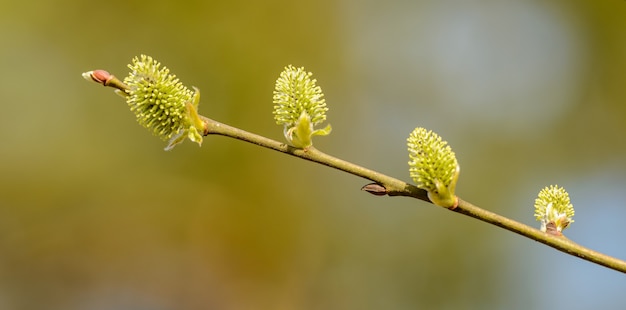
(552, 230)
(375, 189)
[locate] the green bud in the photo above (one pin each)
(433, 167)
(299, 106)
(162, 103)
(553, 209)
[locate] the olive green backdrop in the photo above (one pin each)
(95, 215)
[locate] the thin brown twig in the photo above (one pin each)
(386, 185)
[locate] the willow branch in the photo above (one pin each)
(395, 187)
(383, 184)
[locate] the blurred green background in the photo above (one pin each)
(95, 215)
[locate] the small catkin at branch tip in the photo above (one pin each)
(433, 167)
(159, 100)
(554, 210)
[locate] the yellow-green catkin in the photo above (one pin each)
(553, 209)
(162, 103)
(433, 166)
(299, 106)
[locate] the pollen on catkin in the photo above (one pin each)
(299, 106)
(553, 209)
(433, 166)
(161, 102)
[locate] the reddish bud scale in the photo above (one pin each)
(101, 76)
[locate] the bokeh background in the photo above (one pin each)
(95, 215)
